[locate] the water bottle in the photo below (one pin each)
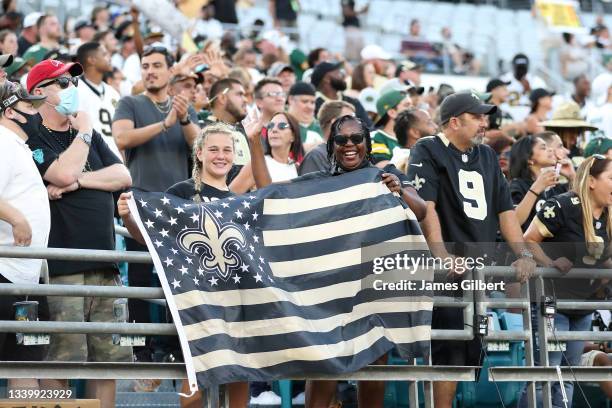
(120, 313)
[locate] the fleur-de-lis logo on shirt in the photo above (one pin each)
(549, 212)
(418, 182)
(219, 243)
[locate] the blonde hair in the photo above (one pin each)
(591, 167)
(196, 173)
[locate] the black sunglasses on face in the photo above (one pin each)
(63, 82)
(342, 140)
(280, 125)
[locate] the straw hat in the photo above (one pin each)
(567, 115)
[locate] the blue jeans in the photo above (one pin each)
(573, 353)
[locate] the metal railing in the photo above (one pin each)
(472, 303)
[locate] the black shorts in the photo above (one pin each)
(453, 352)
(9, 349)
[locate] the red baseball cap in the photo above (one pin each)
(49, 69)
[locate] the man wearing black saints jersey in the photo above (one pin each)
(468, 201)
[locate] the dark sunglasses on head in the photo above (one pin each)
(280, 126)
(342, 140)
(63, 82)
(152, 49)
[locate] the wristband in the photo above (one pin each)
(534, 193)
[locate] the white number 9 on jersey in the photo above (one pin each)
(471, 187)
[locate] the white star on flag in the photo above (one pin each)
(218, 214)
(252, 197)
(244, 267)
(174, 251)
(168, 261)
(158, 213)
(213, 281)
(143, 203)
(256, 239)
(172, 221)
(231, 198)
(250, 256)
(149, 223)
(246, 204)
(255, 215)
(200, 271)
(238, 214)
(261, 259)
(194, 217)
(188, 260)
(247, 226)
(158, 243)
(196, 281)
(179, 210)
(252, 248)
(165, 200)
(183, 270)
(225, 205)
(236, 278)
(176, 284)
(164, 233)
(257, 277)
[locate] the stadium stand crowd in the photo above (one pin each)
(95, 105)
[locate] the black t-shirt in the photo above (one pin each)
(360, 112)
(82, 218)
(560, 222)
(225, 11)
(519, 189)
(347, 20)
(23, 45)
(186, 190)
(284, 10)
(469, 189)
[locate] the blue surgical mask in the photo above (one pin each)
(69, 101)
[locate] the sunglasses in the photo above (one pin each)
(280, 126)
(274, 94)
(63, 82)
(153, 49)
(356, 138)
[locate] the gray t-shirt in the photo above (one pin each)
(315, 160)
(162, 161)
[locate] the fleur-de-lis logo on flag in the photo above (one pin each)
(219, 243)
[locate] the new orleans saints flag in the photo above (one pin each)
(287, 281)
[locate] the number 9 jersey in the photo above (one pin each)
(99, 101)
(468, 188)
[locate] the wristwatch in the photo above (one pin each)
(185, 122)
(86, 137)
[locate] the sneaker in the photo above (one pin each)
(266, 398)
(299, 399)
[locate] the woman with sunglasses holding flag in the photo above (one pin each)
(283, 153)
(575, 229)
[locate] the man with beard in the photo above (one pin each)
(328, 79)
(228, 103)
(155, 131)
(96, 97)
(468, 201)
(50, 33)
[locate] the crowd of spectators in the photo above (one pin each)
(108, 103)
